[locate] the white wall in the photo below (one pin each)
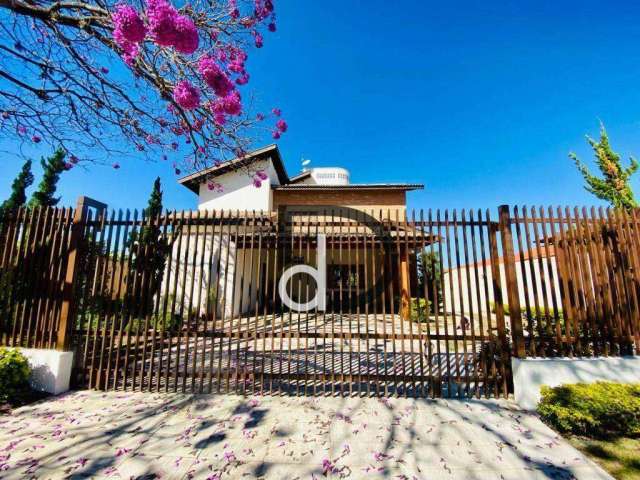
(531, 373)
(229, 266)
(238, 191)
(459, 286)
(50, 369)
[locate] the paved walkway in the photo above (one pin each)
(136, 435)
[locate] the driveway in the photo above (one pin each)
(142, 435)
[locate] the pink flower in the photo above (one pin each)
(170, 29)
(243, 79)
(22, 129)
(231, 104)
(68, 165)
(257, 183)
(260, 117)
(276, 111)
(104, 70)
(186, 95)
(186, 37)
(214, 76)
(275, 134)
(259, 41)
(35, 139)
(73, 159)
(233, 9)
(281, 125)
(128, 25)
(162, 17)
(262, 176)
(272, 27)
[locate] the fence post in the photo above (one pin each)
(68, 294)
(513, 297)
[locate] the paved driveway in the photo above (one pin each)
(136, 435)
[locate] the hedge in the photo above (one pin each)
(597, 410)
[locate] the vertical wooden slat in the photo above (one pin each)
(474, 364)
(102, 376)
(119, 332)
(499, 299)
(460, 358)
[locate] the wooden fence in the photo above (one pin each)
(427, 304)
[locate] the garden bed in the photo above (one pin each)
(602, 420)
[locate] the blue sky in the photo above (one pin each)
(480, 101)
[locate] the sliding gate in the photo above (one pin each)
(194, 302)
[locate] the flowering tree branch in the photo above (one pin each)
(104, 79)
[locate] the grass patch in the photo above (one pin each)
(620, 457)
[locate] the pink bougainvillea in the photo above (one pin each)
(186, 95)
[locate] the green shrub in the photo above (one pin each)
(420, 309)
(14, 373)
(598, 410)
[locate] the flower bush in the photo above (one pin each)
(598, 410)
(14, 373)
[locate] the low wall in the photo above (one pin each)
(50, 369)
(530, 374)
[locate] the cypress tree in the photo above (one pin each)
(53, 167)
(613, 186)
(149, 253)
(19, 186)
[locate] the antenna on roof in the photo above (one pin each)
(305, 163)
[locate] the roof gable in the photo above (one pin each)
(271, 152)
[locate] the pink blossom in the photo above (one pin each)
(68, 165)
(262, 176)
(229, 105)
(281, 125)
(170, 29)
(260, 117)
(22, 129)
(233, 9)
(35, 139)
(128, 25)
(104, 70)
(275, 134)
(186, 40)
(186, 95)
(162, 17)
(257, 182)
(214, 76)
(73, 159)
(276, 111)
(272, 27)
(259, 41)
(243, 79)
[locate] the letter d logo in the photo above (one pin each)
(320, 276)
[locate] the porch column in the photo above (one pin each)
(405, 295)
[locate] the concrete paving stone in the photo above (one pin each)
(121, 434)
